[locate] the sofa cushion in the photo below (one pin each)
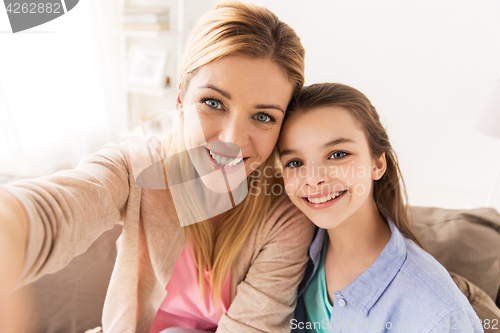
(485, 308)
(466, 242)
(71, 300)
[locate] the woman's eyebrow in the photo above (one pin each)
(220, 91)
(269, 106)
(228, 96)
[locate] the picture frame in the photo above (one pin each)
(146, 66)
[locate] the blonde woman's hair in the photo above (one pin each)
(389, 192)
(235, 28)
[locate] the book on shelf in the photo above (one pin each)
(148, 18)
(144, 9)
(146, 26)
(145, 18)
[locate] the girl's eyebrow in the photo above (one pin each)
(337, 141)
(326, 145)
(288, 152)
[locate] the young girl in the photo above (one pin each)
(368, 271)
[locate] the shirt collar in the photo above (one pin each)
(367, 288)
(315, 257)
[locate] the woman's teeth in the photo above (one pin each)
(325, 198)
(224, 161)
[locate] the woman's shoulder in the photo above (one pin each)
(287, 220)
(282, 209)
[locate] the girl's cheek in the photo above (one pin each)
(290, 186)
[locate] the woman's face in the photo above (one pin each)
(233, 110)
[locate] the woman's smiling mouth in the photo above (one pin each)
(229, 163)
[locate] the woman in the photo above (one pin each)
(239, 72)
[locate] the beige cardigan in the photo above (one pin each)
(70, 209)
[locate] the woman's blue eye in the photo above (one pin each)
(294, 164)
(264, 118)
(338, 155)
(214, 104)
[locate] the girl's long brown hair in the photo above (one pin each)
(389, 192)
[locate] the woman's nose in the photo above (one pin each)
(236, 131)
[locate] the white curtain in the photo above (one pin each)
(61, 95)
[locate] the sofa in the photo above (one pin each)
(466, 242)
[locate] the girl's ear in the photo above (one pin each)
(178, 102)
(379, 167)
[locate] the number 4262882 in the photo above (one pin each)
(34, 8)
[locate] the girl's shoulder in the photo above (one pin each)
(429, 278)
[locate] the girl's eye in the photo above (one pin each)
(264, 118)
(294, 164)
(338, 155)
(213, 103)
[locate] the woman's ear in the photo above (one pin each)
(379, 167)
(178, 102)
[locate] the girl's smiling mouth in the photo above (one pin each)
(323, 200)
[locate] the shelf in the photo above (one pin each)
(151, 91)
(148, 33)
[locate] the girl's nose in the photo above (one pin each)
(311, 183)
(316, 175)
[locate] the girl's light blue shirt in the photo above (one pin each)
(404, 290)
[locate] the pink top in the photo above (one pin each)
(183, 306)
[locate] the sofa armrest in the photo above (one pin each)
(466, 242)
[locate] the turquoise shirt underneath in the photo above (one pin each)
(404, 291)
(318, 307)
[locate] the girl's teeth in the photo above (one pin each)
(223, 161)
(324, 199)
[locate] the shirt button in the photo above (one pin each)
(341, 302)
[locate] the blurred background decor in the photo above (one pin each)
(145, 18)
(427, 66)
(146, 66)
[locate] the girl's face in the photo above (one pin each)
(327, 166)
(232, 111)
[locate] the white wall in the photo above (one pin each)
(428, 67)
(59, 97)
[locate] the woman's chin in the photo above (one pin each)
(220, 182)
